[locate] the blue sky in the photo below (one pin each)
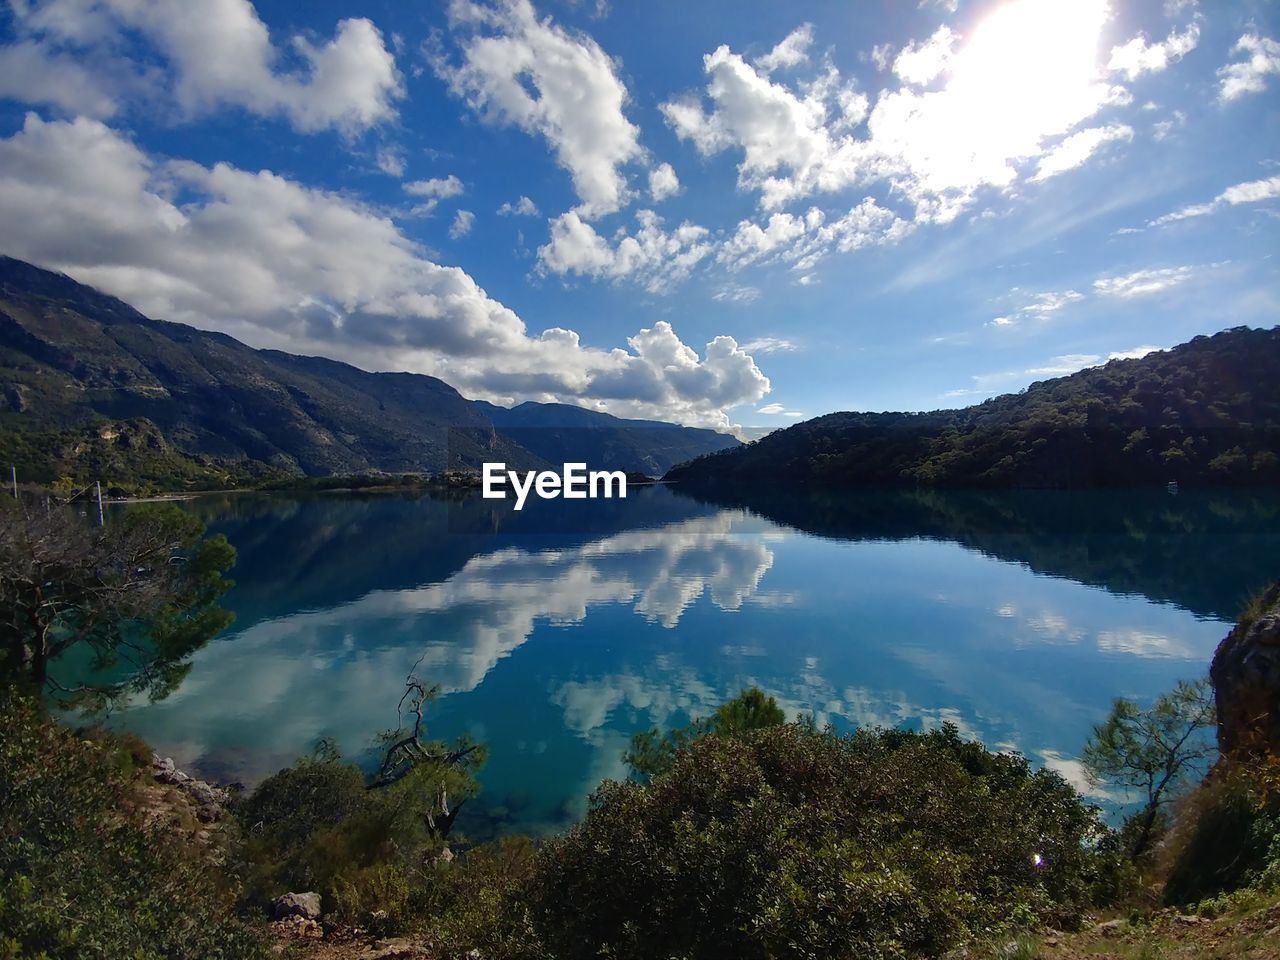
(722, 213)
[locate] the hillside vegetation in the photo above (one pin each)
(77, 366)
(1206, 412)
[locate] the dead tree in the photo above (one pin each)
(407, 751)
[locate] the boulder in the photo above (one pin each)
(305, 905)
(1246, 680)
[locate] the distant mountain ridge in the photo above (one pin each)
(559, 433)
(1206, 412)
(73, 358)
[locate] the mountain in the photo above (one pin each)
(87, 384)
(560, 433)
(1206, 412)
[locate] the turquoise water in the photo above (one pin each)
(557, 633)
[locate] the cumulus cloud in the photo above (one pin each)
(792, 51)
(1026, 77)
(214, 54)
(1261, 60)
(283, 265)
(463, 221)
(663, 182)
(1142, 283)
(921, 63)
(1254, 191)
(438, 188)
(1138, 57)
(517, 70)
(803, 240)
(652, 256)
(524, 207)
(1076, 149)
(432, 191)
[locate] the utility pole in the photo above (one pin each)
(101, 520)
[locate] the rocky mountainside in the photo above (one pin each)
(1206, 412)
(74, 359)
(1246, 680)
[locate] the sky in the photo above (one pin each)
(723, 213)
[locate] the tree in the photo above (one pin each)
(652, 753)
(122, 607)
(1152, 750)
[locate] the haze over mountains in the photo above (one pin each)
(81, 369)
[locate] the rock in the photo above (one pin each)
(1191, 920)
(1246, 681)
(1117, 924)
(305, 905)
(397, 949)
(299, 927)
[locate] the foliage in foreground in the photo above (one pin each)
(78, 877)
(369, 846)
(127, 603)
(789, 841)
(653, 752)
(1154, 751)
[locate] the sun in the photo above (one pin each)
(1028, 73)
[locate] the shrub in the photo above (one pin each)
(78, 877)
(787, 841)
(1226, 835)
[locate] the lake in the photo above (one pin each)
(558, 632)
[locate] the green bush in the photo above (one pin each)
(1226, 836)
(789, 841)
(78, 877)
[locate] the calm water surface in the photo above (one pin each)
(558, 632)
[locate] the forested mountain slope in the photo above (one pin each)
(1206, 412)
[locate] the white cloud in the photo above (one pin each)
(802, 241)
(282, 265)
(770, 345)
(920, 64)
(791, 52)
(438, 188)
(216, 53)
(35, 73)
(1137, 353)
(1041, 306)
(521, 71)
(1262, 59)
(738, 293)
(463, 221)
(651, 256)
(390, 161)
(524, 207)
(1254, 191)
(777, 409)
(663, 182)
(1065, 364)
(1076, 149)
(432, 191)
(1026, 76)
(1142, 283)
(1138, 57)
